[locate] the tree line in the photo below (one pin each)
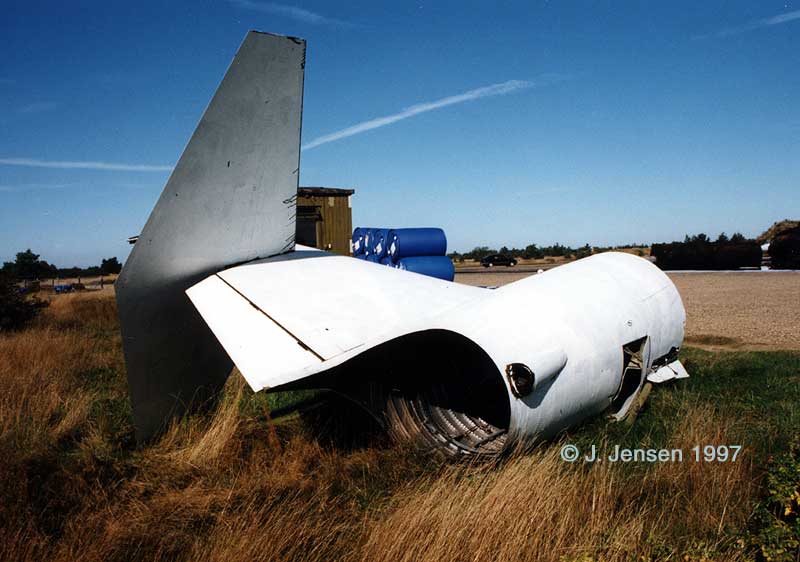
(533, 251)
(29, 267)
(735, 238)
(702, 253)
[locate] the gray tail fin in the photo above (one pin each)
(229, 199)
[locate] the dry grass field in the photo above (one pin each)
(232, 485)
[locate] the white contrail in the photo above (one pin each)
(69, 165)
(34, 186)
(485, 92)
(781, 18)
(294, 12)
(757, 24)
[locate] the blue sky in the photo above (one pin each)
(506, 123)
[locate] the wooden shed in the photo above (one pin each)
(324, 218)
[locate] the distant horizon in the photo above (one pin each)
(496, 248)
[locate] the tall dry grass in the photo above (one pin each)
(46, 371)
(232, 486)
(537, 507)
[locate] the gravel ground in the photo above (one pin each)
(741, 310)
(754, 310)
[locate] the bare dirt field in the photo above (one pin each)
(749, 310)
(743, 310)
(494, 277)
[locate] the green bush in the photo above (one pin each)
(16, 309)
(701, 254)
(776, 519)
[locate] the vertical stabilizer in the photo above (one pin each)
(229, 199)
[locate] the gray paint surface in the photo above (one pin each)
(229, 199)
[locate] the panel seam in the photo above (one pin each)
(300, 342)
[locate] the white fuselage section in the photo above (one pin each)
(286, 318)
(585, 312)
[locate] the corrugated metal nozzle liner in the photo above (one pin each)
(407, 242)
(440, 267)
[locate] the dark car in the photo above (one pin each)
(498, 259)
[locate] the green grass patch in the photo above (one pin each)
(757, 394)
(758, 390)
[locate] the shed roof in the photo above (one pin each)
(324, 192)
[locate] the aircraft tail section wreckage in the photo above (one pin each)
(216, 279)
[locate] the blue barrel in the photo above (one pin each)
(378, 242)
(407, 242)
(373, 258)
(368, 235)
(440, 267)
(360, 256)
(359, 234)
(386, 260)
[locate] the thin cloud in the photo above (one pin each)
(546, 190)
(757, 24)
(22, 187)
(34, 187)
(500, 89)
(70, 165)
(293, 12)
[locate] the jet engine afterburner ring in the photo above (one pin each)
(454, 433)
(448, 396)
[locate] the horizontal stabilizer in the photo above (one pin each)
(251, 336)
(282, 318)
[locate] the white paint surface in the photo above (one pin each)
(336, 303)
(265, 353)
